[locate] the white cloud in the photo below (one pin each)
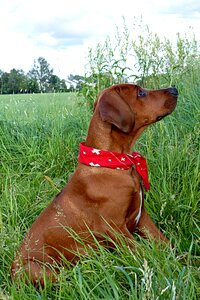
(62, 30)
(183, 8)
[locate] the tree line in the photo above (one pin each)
(40, 79)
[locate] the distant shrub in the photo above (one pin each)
(139, 55)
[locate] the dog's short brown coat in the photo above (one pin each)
(98, 199)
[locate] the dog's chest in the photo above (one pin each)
(140, 208)
(135, 210)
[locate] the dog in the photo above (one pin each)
(105, 193)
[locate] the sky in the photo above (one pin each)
(62, 31)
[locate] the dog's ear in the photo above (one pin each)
(94, 105)
(115, 110)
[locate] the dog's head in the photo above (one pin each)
(129, 107)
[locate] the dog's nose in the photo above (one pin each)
(173, 91)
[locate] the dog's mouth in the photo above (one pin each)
(170, 103)
(161, 117)
(173, 105)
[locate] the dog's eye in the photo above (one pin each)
(142, 93)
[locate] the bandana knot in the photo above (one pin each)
(114, 160)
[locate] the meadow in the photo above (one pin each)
(39, 147)
(39, 137)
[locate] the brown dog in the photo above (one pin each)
(98, 199)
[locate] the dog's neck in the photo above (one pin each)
(102, 135)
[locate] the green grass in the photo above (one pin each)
(39, 137)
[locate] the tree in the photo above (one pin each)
(41, 73)
(1, 81)
(16, 81)
(78, 80)
(39, 79)
(4, 83)
(31, 85)
(56, 84)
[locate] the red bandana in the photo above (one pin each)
(114, 160)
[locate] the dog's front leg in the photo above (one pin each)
(147, 228)
(119, 235)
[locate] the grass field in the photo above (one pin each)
(39, 137)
